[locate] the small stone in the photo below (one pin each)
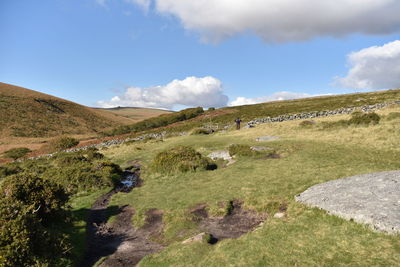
(196, 238)
(267, 138)
(279, 215)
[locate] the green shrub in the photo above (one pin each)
(240, 150)
(77, 171)
(211, 109)
(364, 118)
(307, 124)
(202, 131)
(30, 209)
(160, 121)
(16, 153)
(9, 169)
(62, 143)
(393, 116)
(181, 159)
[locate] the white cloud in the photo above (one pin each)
(284, 95)
(191, 92)
(376, 67)
(282, 20)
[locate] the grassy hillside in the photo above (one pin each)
(304, 236)
(26, 113)
(225, 116)
(136, 114)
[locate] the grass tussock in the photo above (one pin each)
(17, 153)
(181, 159)
(240, 150)
(202, 131)
(62, 143)
(393, 116)
(307, 124)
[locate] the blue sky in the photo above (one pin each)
(129, 52)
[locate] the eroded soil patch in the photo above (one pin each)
(237, 223)
(119, 244)
(136, 243)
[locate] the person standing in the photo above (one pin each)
(238, 121)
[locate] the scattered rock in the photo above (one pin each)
(267, 138)
(279, 215)
(196, 238)
(222, 154)
(372, 199)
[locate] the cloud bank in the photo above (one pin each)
(191, 92)
(282, 20)
(284, 95)
(376, 67)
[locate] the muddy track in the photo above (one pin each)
(119, 244)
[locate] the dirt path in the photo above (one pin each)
(119, 244)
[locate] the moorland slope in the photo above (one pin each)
(27, 113)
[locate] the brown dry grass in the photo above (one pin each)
(135, 114)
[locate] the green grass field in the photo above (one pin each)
(305, 236)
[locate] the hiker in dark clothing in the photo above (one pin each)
(238, 121)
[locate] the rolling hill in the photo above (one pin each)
(136, 114)
(27, 113)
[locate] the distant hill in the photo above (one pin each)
(27, 113)
(136, 114)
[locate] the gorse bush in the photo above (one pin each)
(181, 159)
(159, 121)
(364, 118)
(16, 153)
(30, 210)
(77, 171)
(62, 143)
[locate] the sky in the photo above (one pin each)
(173, 54)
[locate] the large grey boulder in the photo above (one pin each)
(372, 199)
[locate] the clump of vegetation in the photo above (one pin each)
(229, 208)
(30, 210)
(202, 131)
(160, 121)
(241, 150)
(393, 116)
(77, 171)
(62, 143)
(9, 169)
(307, 124)
(181, 159)
(358, 118)
(17, 153)
(211, 109)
